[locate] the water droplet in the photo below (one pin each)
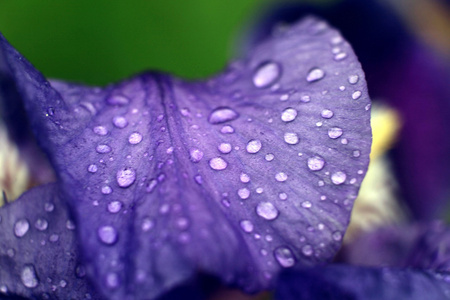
(337, 236)
(244, 178)
(266, 74)
(218, 163)
(125, 177)
(63, 283)
(288, 115)
(282, 196)
(53, 238)
(198, 179)
(112, 280)
(225, 148)
(340, 56)
(222, 114)
(227, 129)
(327, 114)
(356, 153)
(196, 155)
(243, 193)
(315, 74)
(29, 277)
(70, 225)
(253, 146)
(246, 225)
(120, 122)
(3, 289)
(21, 227)
(114, 206)
(147, 224)
(106, 190)
(306, 204)
(117, 100)
(284, 257)
(41, 224)
(307, 250)
(100, 130)
(291, 138)
(267, 210)
(92, 168)
(49, 207)
(269, 157)
(353, 79)
(284, 97)
(316, 163)
(356, 95)
(281, 177)
(135, 138)
(151, 185)
(182, 223)
(334, 132)
(338, 177)
(102, 149)
(107, 235)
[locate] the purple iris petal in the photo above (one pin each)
(239, 176)
(340, 282)
(39, 258)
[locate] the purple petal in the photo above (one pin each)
(38, 251)
(359, 283)
(239, 176)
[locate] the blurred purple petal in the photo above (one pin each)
(340, 282)
(239, 176)
(39, 258)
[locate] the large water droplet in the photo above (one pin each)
(21, 227)
(225, 148)
(114, 206)
(246, 225)
(291, 138)
(196, 155)
(267, 211)
(266, 74)
(120, 122)
(338, 177)
(288, 115)
(253, 146)
(243, 193)
(125, 177)
(222, 114)
(218, 163)
(334, 132)
(100, 130)
(102, 149)
(41, 224)
(107, 235)
(316, 163)
(29, 277)
(327, 114)
(315, 74)
(135, 138)
(281, 177)
(284, 257)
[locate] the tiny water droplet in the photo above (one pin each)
(92, 168)
(267, 210)
(338, 177)
(117, 100)
(335, 132)
(327, 114)
(266, 74)
(282, 196)
(151, 185)
(147, 224)
(41, 224)
(253, 146)
(269, 157)
(225, 148)
(291, 138)
(315, 74)
(102, 149)
(288, 115)
(246, 225)
(284, 257)
(243, 193)
(198, 179)
(120, 122)
(356, 153)
(125, 177)
(100, 130)
(337, 236)
(306, 204)
(114, 206)
(340, 56)
(218, 163)
(112, 280)
(196, 155)
(49, 207)
(135, 138)
(281, 177)
(316, 163)
(29, 277)
(222, 115)
(106, 190)
(353, 79)
(244, 178)
(227, 129)
(307, 250)
(21, 227)
(107, 235)
(356, 95)
(284, 97)
(70, 225)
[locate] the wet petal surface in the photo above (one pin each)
(168, 177)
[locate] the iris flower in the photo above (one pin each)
(160, 180)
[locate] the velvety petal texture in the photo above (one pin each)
(240, 176)
(39, 258)
(341, 282)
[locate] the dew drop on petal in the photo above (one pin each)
(100, 130)
(29, 277)
(243, 193)
(288, 115)
(120, 122)
(135, 138)
(282, 196)
(307, 250)
(340, 56)
(125, 177)
(112, 280)
(106, 190)
(107, 235)
(246, 225)
(315, 74)
(338, 177)
(102, 149)
(196, 155)
(225, 148)
(267, 210)
(218, 163)
(327, 114)
(114, 206)
(356, 153)
(356, 95)
(353, 79)
(147, 224)
(269, 157)
(306, 204)
(244, 178)
(227, 129)
(253, 146)
(284, 257)
(316, 163)
(49, 207)
(266, 74)
(117, 100)
(291, 138)
(21, 227)
(281, 177)
(337, 236)
(222, 115)
(335, 132)
(41, 224)
(92, 168)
